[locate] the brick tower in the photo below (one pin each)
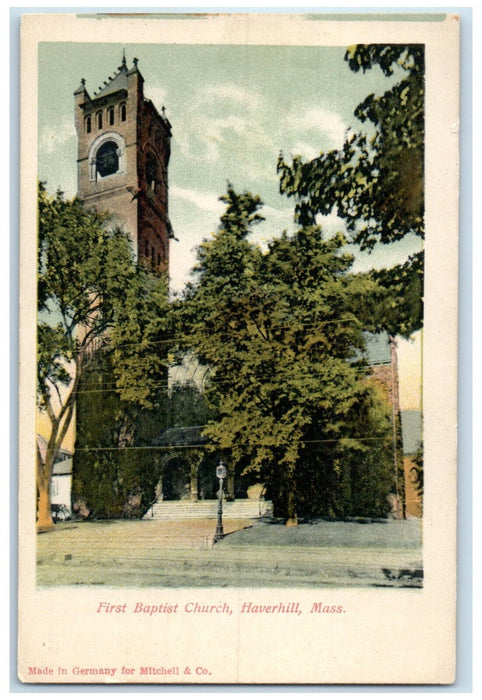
(123, 155)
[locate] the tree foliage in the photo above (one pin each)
(375, 182)
(113, 479)
(283, 334)
(91, 294)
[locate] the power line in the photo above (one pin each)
(184, 339)
(211, 445)
(167, 383)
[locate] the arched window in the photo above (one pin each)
(111, 116)
(158, 260)
(123, 112)
(107, 159)
(153, 256)
(88, 124)
(151, 172)
(106, 156)
(146, 249)
(99, 120)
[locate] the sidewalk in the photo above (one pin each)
(260, 554)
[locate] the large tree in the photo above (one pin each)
(91, 294)
(375, 182)
(283, 334)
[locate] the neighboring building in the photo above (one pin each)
(382, 357)
(123, 156)
(407, 425)
(412, 442)
(61, 484)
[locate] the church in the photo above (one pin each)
(123, 151)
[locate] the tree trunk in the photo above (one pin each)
(291, 516)
(44, 513)
(230, 484)
(194, 471)
(44, 476)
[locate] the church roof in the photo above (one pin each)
(181, 436)
(116, 82)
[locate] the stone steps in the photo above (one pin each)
(244, 508)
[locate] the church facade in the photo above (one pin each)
(123, 157)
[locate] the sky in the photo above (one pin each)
(232, 110)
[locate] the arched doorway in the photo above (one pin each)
(176, 480)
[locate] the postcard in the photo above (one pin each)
(238, 348)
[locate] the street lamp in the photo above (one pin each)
(221, 474)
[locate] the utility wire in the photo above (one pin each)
(184, 339)
(167, 383)
(209, 445)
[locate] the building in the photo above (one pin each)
(61, 484)
(407, 426)
(189, 474)
(412, 443)
(123, 157)
(123, 152)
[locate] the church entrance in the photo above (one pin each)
(176, 484)
(193, 477)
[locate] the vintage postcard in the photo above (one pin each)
(238, 340)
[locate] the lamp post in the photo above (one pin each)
(221, 474)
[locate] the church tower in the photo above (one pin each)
(123, 155)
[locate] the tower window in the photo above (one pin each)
(88, 124)
(151, 171)
(107, 159)
(99, 120)
(106, 155)
(123, 113)
(111, 116)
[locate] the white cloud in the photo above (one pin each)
(158, 96)
(53, 138)
(331, 221)
(317, 120)
(232, 123)
(305, 150)
(206, 201)
(219, 131)
(323, 120)
(181, 263)
(276, 214)
(206, 137)
(229, 92)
